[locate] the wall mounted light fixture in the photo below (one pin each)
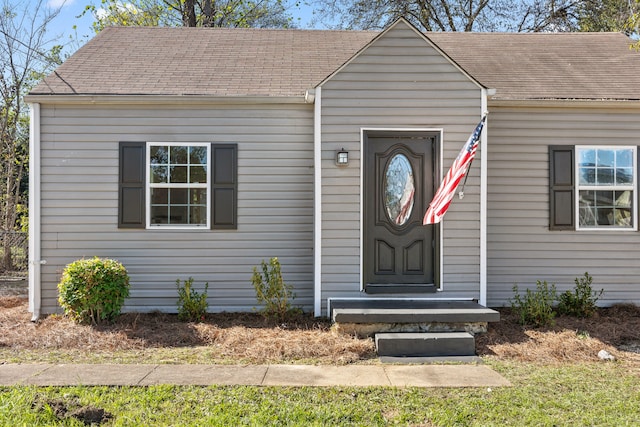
(342, 157)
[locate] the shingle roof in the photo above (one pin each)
(548, 65)
(261, 62)
(203, 61)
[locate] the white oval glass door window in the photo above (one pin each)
(399, 189)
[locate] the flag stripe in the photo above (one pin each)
(442, 199)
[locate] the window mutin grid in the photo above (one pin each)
(606, 187)
(178, 177)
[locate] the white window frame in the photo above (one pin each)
(149, 186)
(633, 187)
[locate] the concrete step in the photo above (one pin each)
(425, 344)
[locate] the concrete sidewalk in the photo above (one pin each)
(255, 375)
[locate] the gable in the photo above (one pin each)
(401, 48)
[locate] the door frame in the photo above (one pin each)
(364, 132)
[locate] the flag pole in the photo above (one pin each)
(466, 173)
(466, 176)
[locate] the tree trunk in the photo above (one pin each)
(207, 13)
(189, 14)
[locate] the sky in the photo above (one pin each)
(70, 10)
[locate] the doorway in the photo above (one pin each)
(400, 254)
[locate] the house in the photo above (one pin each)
(201, 152)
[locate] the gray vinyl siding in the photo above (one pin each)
(521, 248)
(400, 81)
(275, 203)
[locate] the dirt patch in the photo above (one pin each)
(248, 337)
(72, 408)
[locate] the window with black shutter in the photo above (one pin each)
(593, 187)
(177, 185)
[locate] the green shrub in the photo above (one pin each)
(272, 291)
(582, 301)
(93, 290)
(535, 307)
(192, 306)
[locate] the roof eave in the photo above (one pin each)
(162, 99)
(586, 103)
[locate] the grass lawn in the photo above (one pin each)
(586, 394)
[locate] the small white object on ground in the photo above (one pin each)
(605, 355)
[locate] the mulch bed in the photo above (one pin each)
(249, 336)
(615, 329)
(234, 336)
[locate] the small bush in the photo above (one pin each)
(535, 307)
(93, 290)
(582, 301)
(272, 291)
(192, 306)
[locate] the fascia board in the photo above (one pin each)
(564, 103)
(163, 99)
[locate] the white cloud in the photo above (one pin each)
(55, 4)
(122, 7)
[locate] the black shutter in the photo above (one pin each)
(561, 187)
(224, 186)
(131, 185)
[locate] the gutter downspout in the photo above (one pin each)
(484, 161)
(317, 196)
(35, 262)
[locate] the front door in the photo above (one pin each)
(400, 253)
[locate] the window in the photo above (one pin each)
(606, 187)
(178, 190)
(593, 188)
(178, 185)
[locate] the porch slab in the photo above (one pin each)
(410, 311)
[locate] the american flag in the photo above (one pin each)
(442, 199)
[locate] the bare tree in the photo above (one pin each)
(429, 15)
(25, 53)
(483, 15)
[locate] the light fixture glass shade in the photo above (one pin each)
(342, 157)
